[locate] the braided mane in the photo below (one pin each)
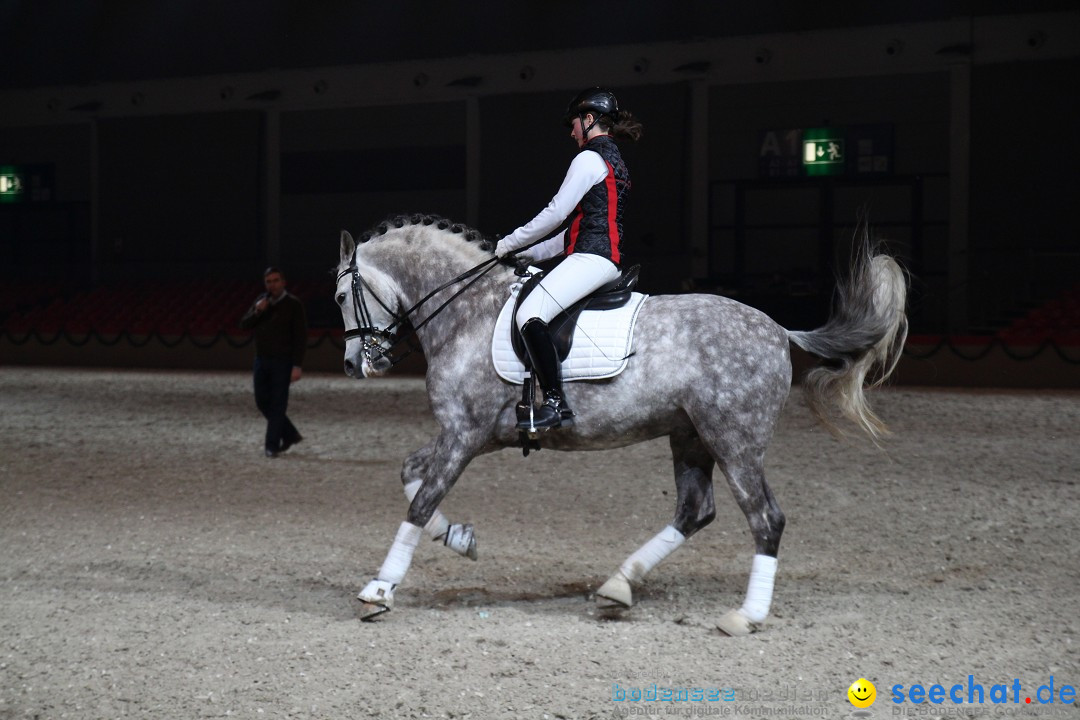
(399, 221)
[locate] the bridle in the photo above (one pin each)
(373, 337)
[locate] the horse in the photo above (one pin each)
(718, 408)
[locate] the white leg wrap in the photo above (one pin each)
(651, 553)
(399, 558)
(461, 539)
(759, 591)
(436, 527)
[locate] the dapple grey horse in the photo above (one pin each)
(708, 372)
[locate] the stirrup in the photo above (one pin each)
(551, 414)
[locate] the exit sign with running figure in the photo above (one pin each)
(823, 151)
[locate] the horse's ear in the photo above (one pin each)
(348, 246)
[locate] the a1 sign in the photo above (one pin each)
(778, 153)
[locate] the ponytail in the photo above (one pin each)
(625, 127)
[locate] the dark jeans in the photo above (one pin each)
(272, 377)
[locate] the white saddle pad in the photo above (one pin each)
(603, 342)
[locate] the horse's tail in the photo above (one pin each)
(862, 340)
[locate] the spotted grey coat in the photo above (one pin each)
(708, 372)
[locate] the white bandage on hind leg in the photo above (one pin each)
(651, 553)
(759, 590)
(400, 556)
(438, 524)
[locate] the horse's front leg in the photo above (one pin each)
(445, 463)
(459, 538)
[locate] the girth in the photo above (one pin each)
(607, 297)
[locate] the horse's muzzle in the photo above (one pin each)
(353, 370)
(362, 367)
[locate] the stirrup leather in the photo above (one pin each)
(553, 412)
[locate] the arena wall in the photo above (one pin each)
(927, 361)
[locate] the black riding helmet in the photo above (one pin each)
(598, 101)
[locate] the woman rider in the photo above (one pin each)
(588, 212)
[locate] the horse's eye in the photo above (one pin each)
(341, 299)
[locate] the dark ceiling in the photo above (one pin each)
(78, 42)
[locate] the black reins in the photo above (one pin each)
(373, 336)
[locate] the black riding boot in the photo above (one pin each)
(553, 412)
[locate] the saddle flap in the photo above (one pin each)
(602, 346)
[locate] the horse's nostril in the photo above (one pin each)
(350, 369)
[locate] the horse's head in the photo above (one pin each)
(406, 271)
(367, 300)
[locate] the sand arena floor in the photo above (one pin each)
(154, 564)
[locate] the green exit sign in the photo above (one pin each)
(854, 150)
(26, 183)
(823, 151)
(12, 184)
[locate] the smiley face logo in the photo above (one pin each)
(862, 693)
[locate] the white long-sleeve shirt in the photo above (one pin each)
(586, 170)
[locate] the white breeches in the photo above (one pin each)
(572, 279)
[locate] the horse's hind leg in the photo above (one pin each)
(459, 538)
(752, 493)
(694, 510)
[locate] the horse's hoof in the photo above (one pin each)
(615, 594)
(462, 540)
(734, 624)
(370, 611)
(609, 607)
(376, 598)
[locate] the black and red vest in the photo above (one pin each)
(596, 225)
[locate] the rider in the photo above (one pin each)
(588, 212)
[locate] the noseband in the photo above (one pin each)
(372, 337)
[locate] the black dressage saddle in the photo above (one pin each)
(607, 297)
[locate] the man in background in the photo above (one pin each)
(280, 326)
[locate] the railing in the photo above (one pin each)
(977, 347)
(170, 340)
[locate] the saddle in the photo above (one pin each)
(615, 294)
